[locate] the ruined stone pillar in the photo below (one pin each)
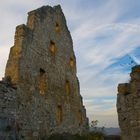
(128, 106)
(42, 66)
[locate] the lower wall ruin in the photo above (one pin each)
(128, 106)
(12, 127)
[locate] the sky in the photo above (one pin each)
(106, 40)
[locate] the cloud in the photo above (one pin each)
(109, 101)
(98, 111)
(105, 50)
(105, 120)
(4, 55)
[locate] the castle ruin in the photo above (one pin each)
(128, 106)
(40, 93)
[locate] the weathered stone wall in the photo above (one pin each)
(42, 65)
(128, 106)
(7, 111)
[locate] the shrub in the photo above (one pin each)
(66, 136)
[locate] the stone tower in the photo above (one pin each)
(128, 106)
(42, 70)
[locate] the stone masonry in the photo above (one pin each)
(128, 106)
(40, 93)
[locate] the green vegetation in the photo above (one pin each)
(95, 134)
(89, 136)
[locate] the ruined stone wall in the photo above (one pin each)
(7, 111)
(42, 65)
(128, 106)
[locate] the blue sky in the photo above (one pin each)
(106, 39)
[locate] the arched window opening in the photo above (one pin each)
(80, 117)
(71, 62)
(59, 114)
(52, 47)
(42, 81)
(57, 27)
(67, 87)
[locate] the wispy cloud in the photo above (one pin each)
(4, 51)
(103, 111)
(99, 44)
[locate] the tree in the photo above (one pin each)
(94, 124)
